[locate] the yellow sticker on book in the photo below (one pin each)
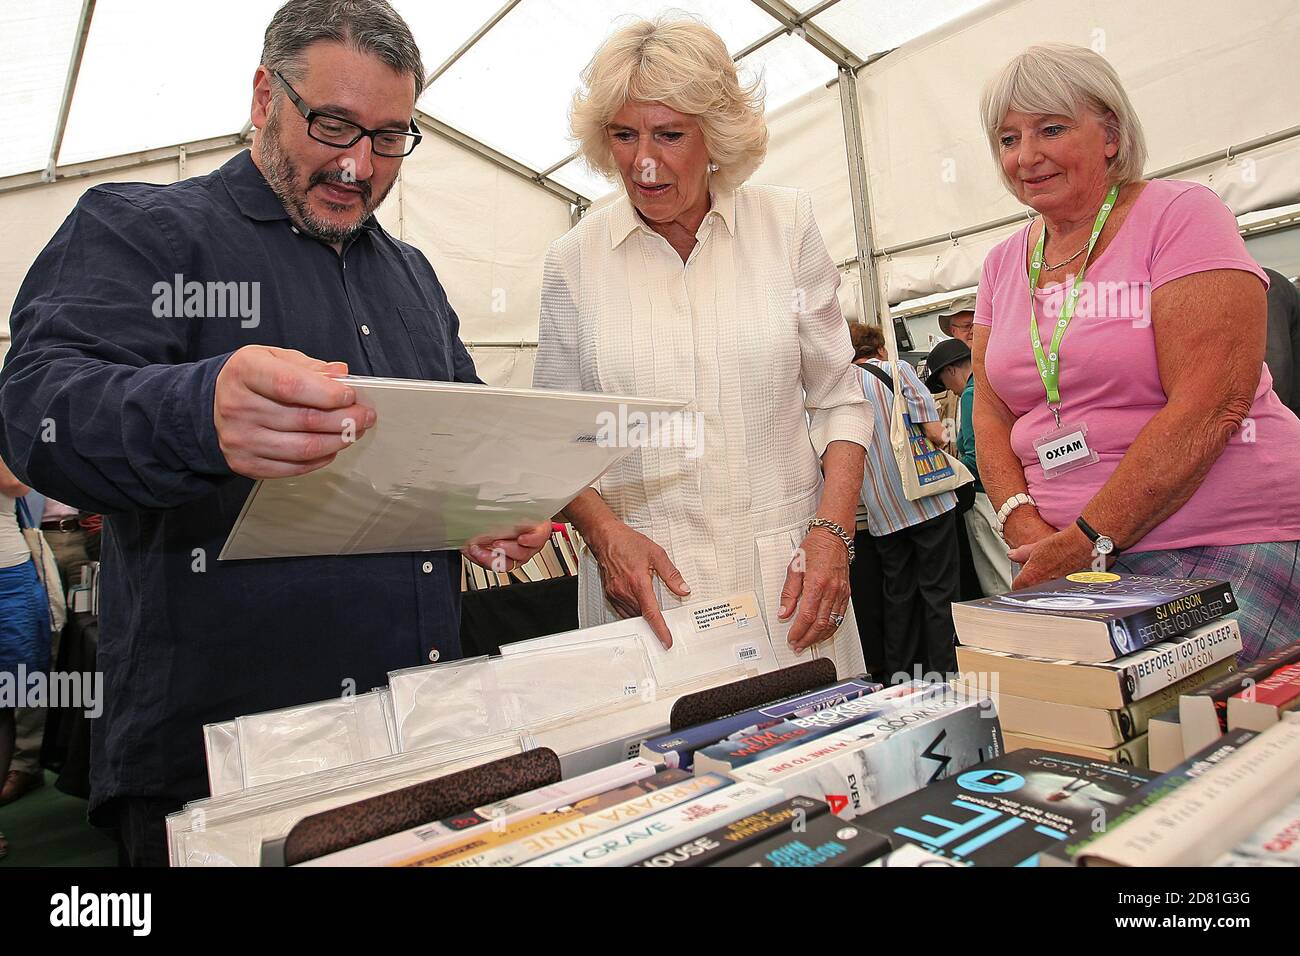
(1092, 577)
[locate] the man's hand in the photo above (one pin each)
(279, 413)
(817, 584)
(628, 563)
(506, 554)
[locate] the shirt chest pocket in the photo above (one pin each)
(430, 344)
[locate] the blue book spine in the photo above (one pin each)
(678, 749)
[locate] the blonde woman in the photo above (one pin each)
(692, 284)
(1141, 429)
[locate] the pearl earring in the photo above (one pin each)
(713, 167)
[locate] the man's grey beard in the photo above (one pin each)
(283, 178)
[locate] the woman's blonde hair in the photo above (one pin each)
(684, 65)
(1065, 79)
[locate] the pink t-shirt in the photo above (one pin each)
(1111, 381)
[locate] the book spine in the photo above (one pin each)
(914, 748)
(514, 848)
(1277, 690)
(1157, 668)
(665, 829)
(678, 749)
(1220, 690)
(829, 842)
(1171, 619)
(707, 850)
(729, 755)
(1136, 717)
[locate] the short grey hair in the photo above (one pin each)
(1065, 79)
(369, 26)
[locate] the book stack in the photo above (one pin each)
(557, 559)
(1082, 665)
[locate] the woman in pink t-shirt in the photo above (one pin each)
(1143, 423)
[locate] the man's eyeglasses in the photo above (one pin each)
(338, 132)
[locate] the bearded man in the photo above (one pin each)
(126, 392)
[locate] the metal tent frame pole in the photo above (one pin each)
(69, 87)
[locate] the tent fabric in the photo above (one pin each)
(1201, 81)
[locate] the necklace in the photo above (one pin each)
(1052, 268)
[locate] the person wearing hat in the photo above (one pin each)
(949, 368)
(958, 320)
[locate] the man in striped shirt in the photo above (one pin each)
(916, 540)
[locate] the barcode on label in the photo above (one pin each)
(746, 652)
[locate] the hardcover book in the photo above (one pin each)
(1006, 812)
(791, 816)
(828, 841)
(1105, 684)
(1092, 617)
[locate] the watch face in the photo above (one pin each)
(1104, 545)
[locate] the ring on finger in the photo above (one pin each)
(836, 619)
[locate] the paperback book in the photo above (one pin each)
(828, 841)
(791, 816)
(1007, 811)
(1090, 616)
(1104, 684)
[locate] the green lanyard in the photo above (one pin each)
(1049, 366)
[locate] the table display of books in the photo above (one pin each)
(1028, 758)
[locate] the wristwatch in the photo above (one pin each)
(1100, 543)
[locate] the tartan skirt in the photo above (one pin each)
(1265, 579)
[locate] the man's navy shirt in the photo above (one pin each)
(107, 407)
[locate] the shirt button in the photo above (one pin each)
(365, 330)
(433, 656)
(295, 230)
(427, 567)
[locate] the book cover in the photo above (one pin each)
(1203, 714)
(1209, 814)
(677, 749)
(478, 841)
(1151, 793)
(515, 849)
(737, 751)
(1007, 811)
(1136, 611)
(1107, 684)
(668, 828)
(1258, 706)
(908, 749)
(791, 816)
(1276, 843)
(828, 841)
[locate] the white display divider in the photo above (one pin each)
(590, 695)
